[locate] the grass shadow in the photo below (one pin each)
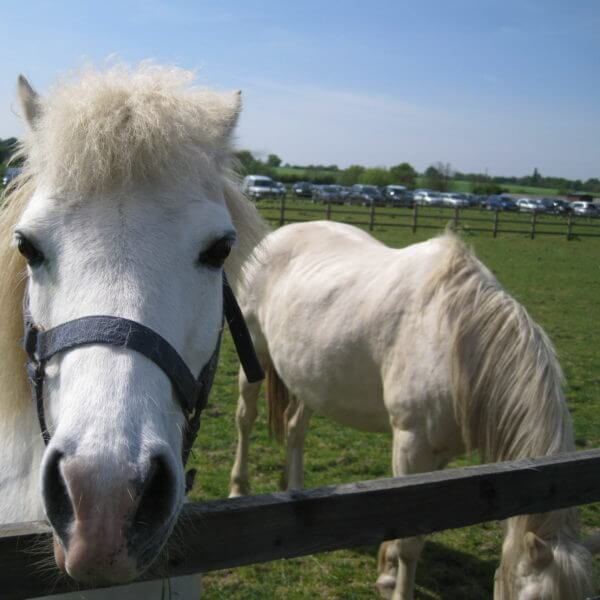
(448, 574)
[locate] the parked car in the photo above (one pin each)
(408, 198)
(281, 187)
(557, 206)
(393, 194)
(258, 187)
(584, 209)
(10, 174)
(365, 195)
(428, 198)
(327, 194)
(344, 192)
(529, 205)
(455, 200)
(302, 189)
(499, 203)
(398, 196)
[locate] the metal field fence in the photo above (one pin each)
(471, 219)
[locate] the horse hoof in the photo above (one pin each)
(237, 491)
(385, 586)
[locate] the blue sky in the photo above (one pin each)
(496, 85)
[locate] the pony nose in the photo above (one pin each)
(110, 521)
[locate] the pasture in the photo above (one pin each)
(559, 283)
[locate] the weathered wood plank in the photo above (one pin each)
(229, 533)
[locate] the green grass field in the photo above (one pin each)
(467, 186)
(559, 283)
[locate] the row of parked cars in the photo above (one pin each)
(554, 206)
(260, 186)
(389, 195)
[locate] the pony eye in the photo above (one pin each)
(28, 250)
(215, 255)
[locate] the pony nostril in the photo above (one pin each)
(59, 508)
(157, 496)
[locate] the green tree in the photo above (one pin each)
(403, 174)
(7, 147)
(249, 165)
(351, 175)
(437, 177)
(375, 176)
(273, 161)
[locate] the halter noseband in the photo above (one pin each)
(192, 392)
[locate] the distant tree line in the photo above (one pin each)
(536, 179)
(438, 176)
(402, 174)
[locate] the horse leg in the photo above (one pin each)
(245, 417)
(398, 559)
(297, 426)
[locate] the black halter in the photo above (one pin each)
(191, 392)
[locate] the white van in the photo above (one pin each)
(260, 186)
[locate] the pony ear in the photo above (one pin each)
(539, 551)
(232, 107)
(30, 101)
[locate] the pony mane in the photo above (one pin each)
(506, 379)
(13, 378)
(106, 130)
(251, 229)
(508, 396)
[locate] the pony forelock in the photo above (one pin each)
(106, 129)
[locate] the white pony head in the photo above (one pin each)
(127, 211)
(533, 568)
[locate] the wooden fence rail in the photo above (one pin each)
(532, 225)
(230, 533)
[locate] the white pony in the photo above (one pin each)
(126, 208)
(423, 342)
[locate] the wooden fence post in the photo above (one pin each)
(456, 216)
(414, 222)
(569, 226)
(495, 230)
(328, 210)
(533, 221)
(282, 211)
(372, 215)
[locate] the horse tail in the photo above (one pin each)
(505, 377)
(278, 399)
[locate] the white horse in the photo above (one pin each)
(422, 342)
(126, 208)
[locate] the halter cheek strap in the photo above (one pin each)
(192, 392)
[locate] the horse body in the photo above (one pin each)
(126, 209)
(422, 342)
(322, 317)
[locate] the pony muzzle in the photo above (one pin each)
(108, 530)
